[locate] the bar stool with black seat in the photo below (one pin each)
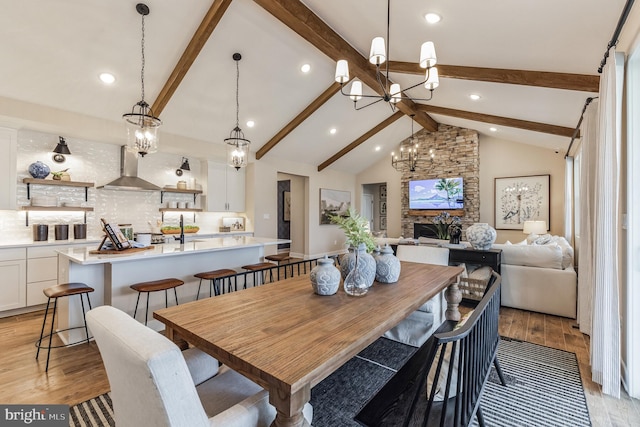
(281, 258)
(260, 267)
(155, 286)
(56, 292)
(217, 278)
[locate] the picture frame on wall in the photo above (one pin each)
(521, 198)
(383, 207)
(333, 202)
(383, 223)
(383, 191)
(286, 205)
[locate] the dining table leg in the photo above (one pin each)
(453, 295)
(289, 407)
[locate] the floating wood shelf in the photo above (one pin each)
(56, 209)
(452, 212)
(179, 190)
(56, 182)
(179, 210)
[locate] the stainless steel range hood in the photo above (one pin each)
(129, 180)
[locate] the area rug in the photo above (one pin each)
(543, 388)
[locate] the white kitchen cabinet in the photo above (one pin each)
(13, 283)
(42, 272)
(8, 160)
(225, 188)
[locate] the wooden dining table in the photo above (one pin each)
(286, 338)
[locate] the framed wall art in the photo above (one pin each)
(521, 198)
(286, 206)
(333, 202)
(383, 191)
(383, 207)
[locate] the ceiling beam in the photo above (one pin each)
(395, 116)
(200, 37)
(309, 26)
(580, 82)
(502, 121)
(311, 108)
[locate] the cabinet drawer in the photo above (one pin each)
(12, 285)
(35, 295)
(44, 251)
(39, 269)
(12, 254)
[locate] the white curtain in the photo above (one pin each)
(605, 331)
(588, 147)
(568, 200)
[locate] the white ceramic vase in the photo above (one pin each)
(481, 236)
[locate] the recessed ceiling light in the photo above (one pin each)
(305, 68)
(333, 131)
(474, 96)
(432, 18)
(493, 129)
(251, 123)
(378, 148)
(107, 78)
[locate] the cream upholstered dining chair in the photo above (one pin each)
(153, 383)
(422, 323)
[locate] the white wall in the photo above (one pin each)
(500, 158)
(383, 172)
(262, 201)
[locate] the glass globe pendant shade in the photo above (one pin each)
(142, 129)
(237, 149)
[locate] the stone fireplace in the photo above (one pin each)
(456, 154)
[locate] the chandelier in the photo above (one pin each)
(237, 144)
(142, 125)
(391, 92)
(408, 154)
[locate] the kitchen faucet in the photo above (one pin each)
(181, 238)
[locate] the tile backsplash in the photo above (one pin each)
(99, 163)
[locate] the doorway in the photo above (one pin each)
(374, 206)
(292, 213)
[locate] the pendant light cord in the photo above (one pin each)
(237, 94)
(142, 68)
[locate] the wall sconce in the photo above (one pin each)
(183, 167)
(60, 150)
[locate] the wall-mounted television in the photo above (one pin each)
(439, 194)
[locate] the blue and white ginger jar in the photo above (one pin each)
(325, 277)
(39, 170)
(481, 236)
(387, 266)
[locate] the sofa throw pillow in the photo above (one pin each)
(567, 251)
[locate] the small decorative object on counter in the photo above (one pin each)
(367, 263)
(127, 230)
(79, 231)
(40, 232)
(62, 231)
(39, 170)
(325, 277)
(387, 266)
(455, 231)
(181, 185)
(481, 236)
(62, 175)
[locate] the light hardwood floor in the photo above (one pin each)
(77, 374)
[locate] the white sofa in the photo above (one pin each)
(538, 275)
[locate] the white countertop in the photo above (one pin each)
(81, 255)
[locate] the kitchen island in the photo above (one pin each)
(111, 275)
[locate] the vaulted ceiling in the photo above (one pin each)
(533, 63)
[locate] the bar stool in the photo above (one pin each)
(217, 277)
(280, 258)
(259, 268)
(60, 291)
(155, 286)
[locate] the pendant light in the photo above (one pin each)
(237, 144)
(142, 125)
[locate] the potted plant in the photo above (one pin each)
(358, 267)
(447, 226)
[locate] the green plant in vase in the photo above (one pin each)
(358, 267)
(445, 224)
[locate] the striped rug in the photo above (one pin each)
(544, 389)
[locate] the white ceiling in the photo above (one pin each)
(53, 51)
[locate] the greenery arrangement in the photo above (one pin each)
(356, 228)
(445, 223)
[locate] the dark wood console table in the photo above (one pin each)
(491, 257)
